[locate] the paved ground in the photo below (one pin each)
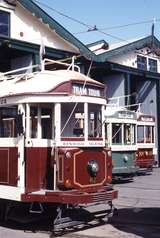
(138, 215)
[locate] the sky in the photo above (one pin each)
(106, 14)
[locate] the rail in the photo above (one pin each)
(12, 74)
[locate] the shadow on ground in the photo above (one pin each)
(144, 222)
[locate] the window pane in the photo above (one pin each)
(133, 134)
(127, 133)
(8, 122)
(95, 121)
(152, 65)
(33, 118)
(117, 133)
(141, 62)
(4, 23)
(140, 134)
(148, 131)
(46, 123)
(72, 123)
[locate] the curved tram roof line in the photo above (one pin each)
(44, 81)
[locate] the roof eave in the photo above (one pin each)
(59, 29)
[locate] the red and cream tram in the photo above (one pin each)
(52, 142)
(146, 148)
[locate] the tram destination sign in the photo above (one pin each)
(147, 119)
(87, 91)
(127, 115)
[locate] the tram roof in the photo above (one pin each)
(42, 82)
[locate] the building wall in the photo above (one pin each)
(130, 59)
(26, 27)
(115, 88)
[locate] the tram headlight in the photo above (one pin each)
(109, 153)
(125, 158)
(68, 183)
(93, 168)
(146, 152)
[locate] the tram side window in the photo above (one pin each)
(95, 121)
(148, 134)
(133, 134)
(140, 134)
(116, 133)
(33, 118)
(153, 134)
(72, 120)
(8, 127)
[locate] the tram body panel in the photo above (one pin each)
(8, 166)
(145, 158)
(123, 163)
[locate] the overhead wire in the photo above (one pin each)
(62, 14)
(122, 26)
(89, 27)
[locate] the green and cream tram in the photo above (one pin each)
(120, 126)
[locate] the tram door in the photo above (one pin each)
(39, 143)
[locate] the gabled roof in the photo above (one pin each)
(149, 41)
(54, 25)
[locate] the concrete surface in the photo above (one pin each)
(138, 215)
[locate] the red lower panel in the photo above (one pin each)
(145, 158)
(9, 166)
(39, 171)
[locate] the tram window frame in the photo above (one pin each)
(153, 134)
(119, 132)
(127, 134)
(130, 138)
(148, 134)
(76, 124)
(46, 123)
(107, 133)
(133, 133)
(142, 137)
(94, 121)
(8, 122)
(34, 121)
(41, 122)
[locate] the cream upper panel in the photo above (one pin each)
(33, 30)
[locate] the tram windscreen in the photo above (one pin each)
(116, 133)
(140, 134)
(129, 134)
(44, 114)
(94, 121)
(72, 120)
